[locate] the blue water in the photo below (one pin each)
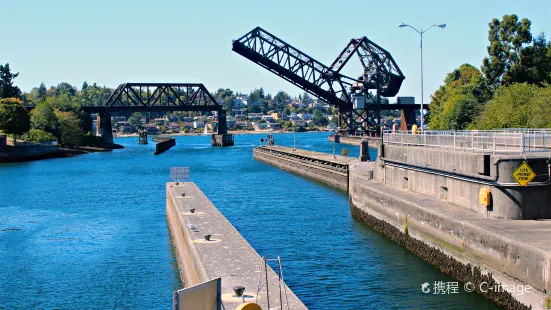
(91, 230)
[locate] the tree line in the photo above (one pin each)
(56, 111)
(510, 90)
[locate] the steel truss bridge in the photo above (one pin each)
(359, 109)
(159, 97)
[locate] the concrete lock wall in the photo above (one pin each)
(226, 255)
(458, 241)
(332, 176)
(457, 177)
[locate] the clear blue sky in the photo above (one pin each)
(111, 42)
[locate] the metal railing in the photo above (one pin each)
(521, 140)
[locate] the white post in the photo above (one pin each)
(522, 142)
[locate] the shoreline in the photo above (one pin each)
(62, 152)
(237, 133)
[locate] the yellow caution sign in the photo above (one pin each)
(524, 174)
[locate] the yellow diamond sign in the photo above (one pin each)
(524, 174)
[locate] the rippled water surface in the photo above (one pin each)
(91, 230)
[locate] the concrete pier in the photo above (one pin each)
(320, 167)
(227, 255)
(222, 139)
(163, 144)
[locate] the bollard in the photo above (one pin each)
(364, 150)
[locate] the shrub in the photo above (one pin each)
(37, 135)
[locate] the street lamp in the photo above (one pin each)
(420, 32)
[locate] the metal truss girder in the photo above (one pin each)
(162, 97)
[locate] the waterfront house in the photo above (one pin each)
(274, 126)
(298, 123)
(260, 126)
(161, 120)
(175, 127)
(124, 127)
(151, 129)
(187, 125)
(255, 116)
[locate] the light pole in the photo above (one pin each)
(420, 32)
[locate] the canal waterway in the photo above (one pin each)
(91, 230)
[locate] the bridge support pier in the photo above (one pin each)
(104, 128)
(222, 139)
(143, 136)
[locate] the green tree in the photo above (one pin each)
(463, 109)
(66, 88)
(14, 118)
(62, 103)
(135, 120)
(518, 106)
(281, 97)
(71, 132)
(41, 92)
(534, 63)
(7, 89)
(318, 119)
(37, 135)
(452, 105)
(507, 37)
(43, 118)
(254, 109)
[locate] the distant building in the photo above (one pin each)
(124, 127)
(115, 119)
(267, 117)
(305, 116)
(255, 116)
(198, 124)
(238, 103)
(238, 112)
(298, 123)
(244, 124)
(151, 129)
(174, 127)
(230, 121)
(187, 125)
(160, 120)
(260, 126)
(274, 126)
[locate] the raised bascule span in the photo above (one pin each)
(359, 110)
